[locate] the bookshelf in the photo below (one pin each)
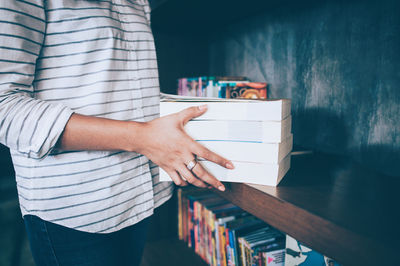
(329, 202)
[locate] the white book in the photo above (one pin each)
(228, 109)
(250, 151)
(269, 174)
(233, 130)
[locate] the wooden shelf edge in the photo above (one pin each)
(320, 234)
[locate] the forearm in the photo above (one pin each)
(162, 140)
(94, 133)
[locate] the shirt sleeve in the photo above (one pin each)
(27, 125)
(147, 10)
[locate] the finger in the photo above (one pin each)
(184, 182)
(176, 178)
(192, 112)
(205, 153)
(190, 178)
(202, 174)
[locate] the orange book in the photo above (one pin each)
(248, 90)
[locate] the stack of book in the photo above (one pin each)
(222, 87)
(222, 234)
(254, 135)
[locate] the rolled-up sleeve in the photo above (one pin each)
(27, 125)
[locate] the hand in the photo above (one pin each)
(164, 141)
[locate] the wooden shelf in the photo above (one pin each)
(333, 205)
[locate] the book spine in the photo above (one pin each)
(248, 255)
(191, 225)
(227, 255)
(264, 259)
(210, 238)
(203, 239)
(200, 87)
(222, 245)
(202, 235)
(260, 259)
(242, 251)
(196, 227)
(180, 224)
(184, 90)
(255, 256)
(217, 251)
(235, 248)
(228, 250)
(199, 232)
(199, 229)
(185, 219)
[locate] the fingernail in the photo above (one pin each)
(202, 107)
(229, 165)
(221, 187)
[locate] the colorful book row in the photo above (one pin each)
(222, 87)
(222, 234)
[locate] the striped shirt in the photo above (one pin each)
(94, 58)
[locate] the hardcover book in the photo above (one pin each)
(228, 109)
(240, 130)
(251, 152)
(268, 174)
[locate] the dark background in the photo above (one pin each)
(338, 61)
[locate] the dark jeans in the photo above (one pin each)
(54, 245)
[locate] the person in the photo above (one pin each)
(79, 111)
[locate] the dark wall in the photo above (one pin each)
(339, 61)
(6, 167)
(180, 55)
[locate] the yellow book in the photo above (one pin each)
(180, 227)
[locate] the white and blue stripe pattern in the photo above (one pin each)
(90, 57)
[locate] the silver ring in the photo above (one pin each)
(191, 164)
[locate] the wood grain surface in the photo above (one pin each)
(331, 204)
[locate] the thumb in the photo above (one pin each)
(192, 112)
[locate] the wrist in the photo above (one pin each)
(136, 136)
